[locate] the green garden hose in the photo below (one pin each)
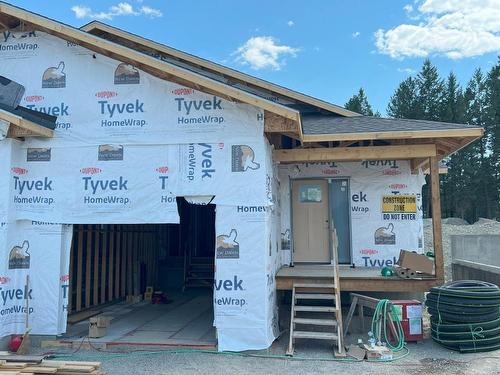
(381, 317)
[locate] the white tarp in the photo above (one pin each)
(36, 250)
(376, 237)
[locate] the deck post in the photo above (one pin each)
(436, 218)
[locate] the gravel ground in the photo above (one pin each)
(482, 226)
(423, 358)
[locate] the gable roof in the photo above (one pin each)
(213, 70)
(26, 122)
(11, 17)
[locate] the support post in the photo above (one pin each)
(436, 218)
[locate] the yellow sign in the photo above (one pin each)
(399, 204)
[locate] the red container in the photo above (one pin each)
(410, 314)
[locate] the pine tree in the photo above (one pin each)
(430, 92)
(359, 103)
(403, 103)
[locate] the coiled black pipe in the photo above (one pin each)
(465, 315)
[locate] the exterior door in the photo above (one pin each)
(310, 221)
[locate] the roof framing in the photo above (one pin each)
(147, 63)
(99, 28)
(21, 127)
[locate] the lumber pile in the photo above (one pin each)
(10, 365)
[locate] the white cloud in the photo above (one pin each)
(356, 34)
(290, 23)
(408, 8)
(120, 9)
(263, 52)
(453, 28)
(409, 71)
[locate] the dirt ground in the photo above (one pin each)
(310, 358)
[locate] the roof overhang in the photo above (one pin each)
(10, 14)
(21, 127)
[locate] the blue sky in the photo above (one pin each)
(327, 49)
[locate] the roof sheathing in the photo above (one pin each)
(215, 71)
(161, 69)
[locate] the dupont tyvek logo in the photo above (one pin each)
(19, 257)
(33, 98)
(90, 170)
(18, 43)
(126, 74)
(227, 246)
(243, 158)
(183, 91)
(385, 235)
(199, 111)
(54, 77)
(38, 154)
(110, 152)
(163, 176)
(115, 113)
(106, 94)
(19, 171)
(380, 163)
(203, 163)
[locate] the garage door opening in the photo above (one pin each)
(114, 266)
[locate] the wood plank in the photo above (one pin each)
(70, 274)
(88, 268)
(117, 261)
(95, 299)
(79, 270)
(123, 266)
(111, 262)
(355, 153)
(129, 262)
(436, 218)
(104, 260)
(449, 133)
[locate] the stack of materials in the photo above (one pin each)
(465, 315)
(23, 365)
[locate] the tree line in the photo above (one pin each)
(471, 188)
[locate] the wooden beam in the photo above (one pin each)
(126, 54)
(472, 132)
(355, 153)
(118, 255)
(79, 269)
(278, 124)
(95, 296)
(233, 76)
(111, 261)
(31, 127)
(88, 266)
(436, 218)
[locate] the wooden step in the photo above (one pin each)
(300, 285)
(316, 308)
(315, 322)
(314, 335)
(314, 296)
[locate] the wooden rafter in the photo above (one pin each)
(20, 127)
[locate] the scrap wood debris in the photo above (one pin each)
(24, 365)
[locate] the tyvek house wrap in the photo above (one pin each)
(126, 144)
(369, 181)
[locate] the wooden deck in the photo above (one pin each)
(351, 279)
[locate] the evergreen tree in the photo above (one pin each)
(403, 104)
(431, 91)
(359, 103)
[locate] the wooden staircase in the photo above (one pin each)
(199, 273)
(316, 311)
